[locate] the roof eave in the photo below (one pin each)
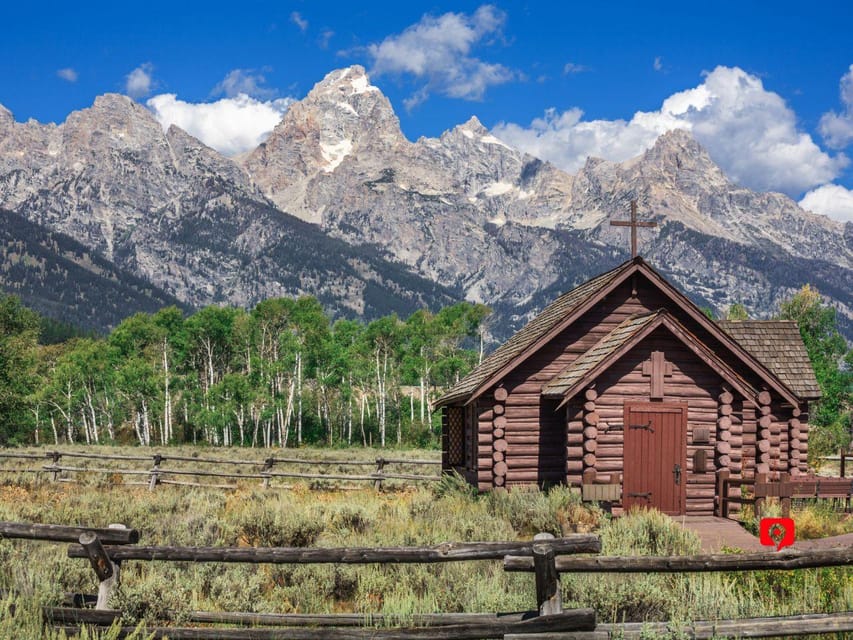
(629, 268)
(781, 388)
(680, 332)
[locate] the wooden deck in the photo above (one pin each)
(845, 540)
(716, 533)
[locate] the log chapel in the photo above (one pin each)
(626, 385)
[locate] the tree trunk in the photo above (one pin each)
(299, 398)
(363, 403)
(167, 398)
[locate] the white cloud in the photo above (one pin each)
(68, 74)
(572, 67)
(230, 125)
(297, 19)
(246, 81)
(325, 37)
(658, 63)
(437, 50)
(837, 128)
(749, 131)
(831, 200)
(139, 82)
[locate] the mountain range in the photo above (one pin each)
(338, 203)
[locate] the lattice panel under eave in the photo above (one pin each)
(455, 437)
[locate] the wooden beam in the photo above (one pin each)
(773, 560)
(61, 533)
(70, 615)
(575, 620)
(771, 627)
(446, 552)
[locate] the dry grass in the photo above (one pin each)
(40, 573)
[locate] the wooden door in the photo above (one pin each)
(655, 456)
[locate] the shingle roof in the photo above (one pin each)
(539, 326)
(778, 346)
(623, 333)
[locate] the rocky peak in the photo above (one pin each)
(474, 127)
(345, 105)
(114, 121)
(344, 120)
(112, 101)
(6, 117)
(195, 157)
(344, 82)
(678, 150)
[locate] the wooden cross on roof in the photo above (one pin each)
(633, 223)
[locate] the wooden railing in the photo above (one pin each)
(785, 488)
(540, 556)
(549, 616)
(264, 471)
(843, 456)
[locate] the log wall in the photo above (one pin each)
(693, 382)
(540, 447)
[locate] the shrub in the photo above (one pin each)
(267, 527)
(647, 532)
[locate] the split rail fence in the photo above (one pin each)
(756, 490)
(108, 548)
(273, 468)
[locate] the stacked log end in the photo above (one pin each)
(736, 439)
(589, 420)
(794, 446)
(763, 455)
(499, 444)
(723, 448)
(798, 434)
(778, 439)
(750, 433)
(574, 445)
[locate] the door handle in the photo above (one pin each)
(676, 472)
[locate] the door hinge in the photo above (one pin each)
(647, 426)
(647, 495)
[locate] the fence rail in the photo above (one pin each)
(787, 487)
(576, 621)
(265, 470)
(768, 561)
(539, 556)
(63, 533)
(446, 552)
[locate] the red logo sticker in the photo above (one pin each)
(776, 532)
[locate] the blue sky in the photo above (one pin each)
(761, 86)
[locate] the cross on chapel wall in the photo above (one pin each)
(657, 368)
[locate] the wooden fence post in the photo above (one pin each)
(549, 600)
(155, 472)
(843, 459)
(55, 456)
(108, 572)
(723, 493)
(268, 463)
(380, 464)
(785, 491)
(760, 478)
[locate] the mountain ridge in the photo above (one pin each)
(465, 209)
